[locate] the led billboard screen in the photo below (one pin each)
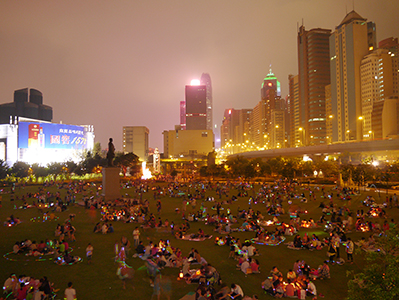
(33, 135)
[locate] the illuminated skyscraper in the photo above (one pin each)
(196, 108)
(270, 82)
(351, 41)
(268, 117)
(314, 75)
(206, 80)
(183, 115)
(377, 84)
(295, 138)
(235, 130)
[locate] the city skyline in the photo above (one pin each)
(128, 64)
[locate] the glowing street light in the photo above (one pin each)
(302, 130)
(361, 118)
(195, 82)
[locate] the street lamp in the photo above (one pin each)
(275, 136)
(361, 118)
(371, 134)
(302, 130)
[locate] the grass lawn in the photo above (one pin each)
(99, 280)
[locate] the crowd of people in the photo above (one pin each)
(28, 288)
(273, 199)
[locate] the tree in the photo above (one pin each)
(307, 168)
(39, 171)
(237, 165)
(20, 169)
(275, 165)
(360, 174)
(55, 168)
(71, 166)
(346, 172)
(3, 169)
(96, 149)
(380, 278)
(127, 161)
(89, 163)
(289, 169)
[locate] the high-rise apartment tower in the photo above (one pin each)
(314, 75)
(351, 41)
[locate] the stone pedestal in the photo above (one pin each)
(111, 183)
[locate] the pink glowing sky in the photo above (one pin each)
(125, 63)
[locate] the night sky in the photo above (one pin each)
(125, 63)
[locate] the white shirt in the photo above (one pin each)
(238, 290)
(250, 250)
(70, 293)
(245, 266)
(312, 288)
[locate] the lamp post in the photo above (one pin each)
(361, 118)
(347, 135)
(371, 134)
(275, 136)
(302, 130)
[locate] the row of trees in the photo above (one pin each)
(91, 162)
(358, 174)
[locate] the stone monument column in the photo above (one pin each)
(111, 183)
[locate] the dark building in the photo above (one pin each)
(196, 109)
(391, 44)
(314, 75)
(27, 103)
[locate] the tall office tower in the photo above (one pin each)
(392, 45)
(314, 75)
(377, 84)
(352, 39)
(258, 133)
(277, 131)
(135, 139)
(287, 121)
(183, 115)
(262, 119)
(27, 103)
(244, 129)
(229, 124)
(206, 80)
(295, 140)
(235, 130)
(270, 82)
(196, 108)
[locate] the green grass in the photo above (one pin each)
(99, 280)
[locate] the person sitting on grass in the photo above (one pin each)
(275, 272)
(255, 265)
(267, 285)
(236, 292)
(324, 271)
(68, 258)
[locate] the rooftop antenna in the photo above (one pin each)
(353, 4)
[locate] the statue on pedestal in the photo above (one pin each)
(110, 153)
